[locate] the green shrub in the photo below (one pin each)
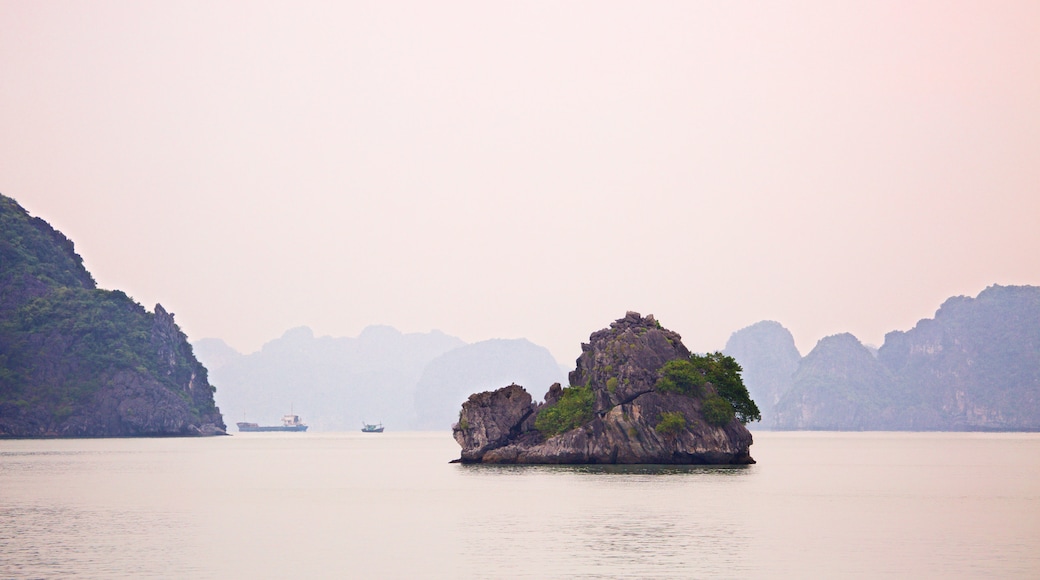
(574, 409)
(612, 384)
(680, 376)
(724, 373)
(671, 423)
(688, 377)
(717, 411)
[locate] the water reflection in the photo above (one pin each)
(491, 469)
(609, 521)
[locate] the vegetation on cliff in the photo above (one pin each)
(671, 423)
(717, 410)
(723, 373)
(573, 410)
(34, 257)
(692, 376)
(99, 330)
(680, 376)
(79, 361)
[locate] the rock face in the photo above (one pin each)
(76, 361)
(621, 366)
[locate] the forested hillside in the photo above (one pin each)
(77, 361)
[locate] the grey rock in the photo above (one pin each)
(490, 419)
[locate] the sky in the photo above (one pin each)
(531, 169)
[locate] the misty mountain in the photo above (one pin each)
(977, 363)
(769, 357)
(840, 385)
(335, 383)
(451, 378)
(215, 352)
(974, 366)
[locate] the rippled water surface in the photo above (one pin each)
(269, 505)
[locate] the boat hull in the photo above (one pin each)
(254, 428)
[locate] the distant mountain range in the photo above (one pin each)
(974, 366)
(405, 381)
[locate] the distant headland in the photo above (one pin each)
(77, 361)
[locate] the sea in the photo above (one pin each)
(390, 505)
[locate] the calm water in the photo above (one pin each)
(270, 505)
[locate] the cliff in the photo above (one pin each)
(974, 366)
(76, 361)
(636, 396)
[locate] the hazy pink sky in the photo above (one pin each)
(535, 169)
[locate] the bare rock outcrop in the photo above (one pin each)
(493, 419)
(621, 366)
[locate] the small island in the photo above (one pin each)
(637, 396)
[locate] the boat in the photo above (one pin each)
(371, 428)
(290, 422)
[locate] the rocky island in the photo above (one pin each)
(78, 361)
(637, 395)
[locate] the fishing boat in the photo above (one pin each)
(371, 428)
(290, 422)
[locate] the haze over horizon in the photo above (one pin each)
(530, 170)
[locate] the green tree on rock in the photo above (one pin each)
(724, 373)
